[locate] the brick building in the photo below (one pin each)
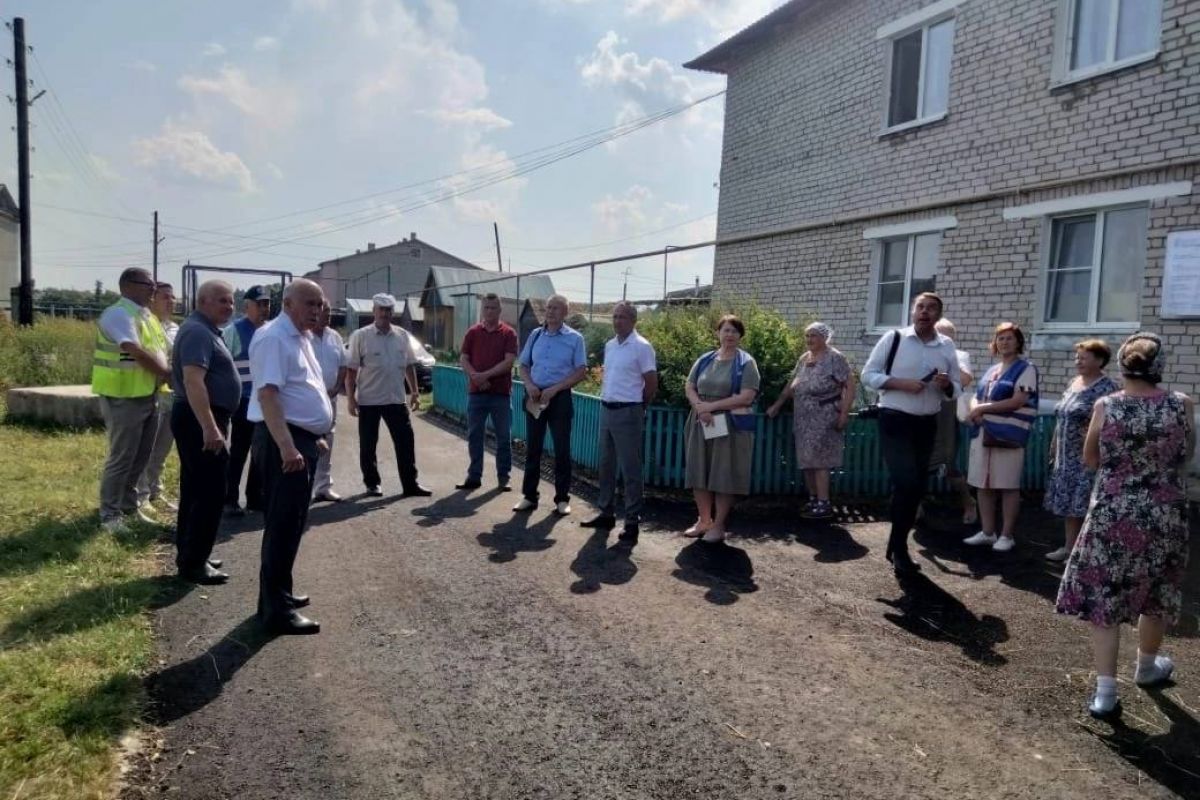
(1027, 159)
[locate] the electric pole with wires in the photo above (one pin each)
(23, 101)
(157, 241)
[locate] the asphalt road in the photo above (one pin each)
(470, 653)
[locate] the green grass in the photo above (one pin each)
(74, 636)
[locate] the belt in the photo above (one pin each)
(611, 405)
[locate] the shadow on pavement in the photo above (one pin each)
(597, 564)
(519, 535)
(1170, 758)
(930, 612)
(179, 690)
(724, 570)
(91, 608)
(458, 505)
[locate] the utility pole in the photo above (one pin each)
(666, 250)
(496, 230)
(25, 294)
(625, 286)
(157, 242)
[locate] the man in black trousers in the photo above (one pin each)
(292, 414)
(207, 389)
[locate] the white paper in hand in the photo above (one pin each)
(719, 427)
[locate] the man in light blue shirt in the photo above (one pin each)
(553, 360)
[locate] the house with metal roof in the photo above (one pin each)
(450, 301)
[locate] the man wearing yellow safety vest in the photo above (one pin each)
(128, 368)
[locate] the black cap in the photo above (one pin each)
(256, 293)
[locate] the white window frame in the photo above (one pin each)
(879, 237)
(1043, 293)
(1064, 43)
(922, 20)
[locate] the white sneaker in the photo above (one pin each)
(1161, 671)
(116, 525)
(1004, 544)
(525, 504)
(562, 509)
(1060, 555)
(980, 538)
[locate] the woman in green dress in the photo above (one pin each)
(721, 389)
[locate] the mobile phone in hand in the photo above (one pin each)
(932, 374)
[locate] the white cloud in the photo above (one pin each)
(626, 214)
(722, 17)
(104, 168)
(188, 155)
(265, 43)
(481, 118)
(142, 65)
(648, 77)
(275, 106)
(213, 49)
(274, 171)
(495, 203)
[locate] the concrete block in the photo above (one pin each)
(71, 406)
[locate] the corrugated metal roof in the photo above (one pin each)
(447, 283)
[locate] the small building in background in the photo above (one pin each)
(451, 298)
(10, 270)
(399, 269)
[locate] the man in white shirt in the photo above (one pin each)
(331, 353)
(292, 414)
(914, 369)
(150, 485)
(629, 384)
(381, 358)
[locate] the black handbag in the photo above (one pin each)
(872, 411)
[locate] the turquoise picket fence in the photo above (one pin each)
(862, 474)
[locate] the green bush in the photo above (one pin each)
(682, 334)
(51, 352)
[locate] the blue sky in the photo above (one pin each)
(223, 115)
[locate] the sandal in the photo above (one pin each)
(714, 536)
(697, 530)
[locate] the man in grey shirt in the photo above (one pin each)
(207, 391)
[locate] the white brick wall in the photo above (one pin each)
(802, 145)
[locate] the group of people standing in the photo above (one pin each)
(1118, 455)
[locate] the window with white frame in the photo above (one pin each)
(1095, 266)
(907, 266)
(919, 80)
(1101, 35)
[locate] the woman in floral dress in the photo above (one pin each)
(1071, 481)
(822, 390)
(1128, 564)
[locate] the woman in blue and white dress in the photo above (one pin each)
(1070, 483)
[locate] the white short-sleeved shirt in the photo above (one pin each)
(625, 365)
(914, 360)
(118, 326)
(331, 353)
(381, 358)
(283, 357)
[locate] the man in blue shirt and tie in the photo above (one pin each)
(553, 360)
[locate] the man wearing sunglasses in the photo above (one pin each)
(129, 366)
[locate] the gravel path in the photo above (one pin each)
(468, 653)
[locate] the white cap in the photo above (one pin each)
(384, 300)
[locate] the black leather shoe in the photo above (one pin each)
(503, 486)
(206, 576)
(904, 565)
(234, 510)
(629, 535)
(292, 624)
(215, 563)
(374, 491)
(298, 600)
(417, 491)
(604, 521)
(469, 484)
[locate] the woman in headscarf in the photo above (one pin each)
(1128, 563)
(822, 391)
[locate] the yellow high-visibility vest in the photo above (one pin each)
(114, 372)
